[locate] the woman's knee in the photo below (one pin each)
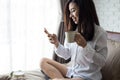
(43, 61)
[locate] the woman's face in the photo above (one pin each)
(74, 12)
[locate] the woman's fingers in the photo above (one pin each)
(80, 40)
(49, 35)
(45, 30)
(77, 37)
(52, 38)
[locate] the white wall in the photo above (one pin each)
(109, 14)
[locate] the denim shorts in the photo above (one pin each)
(84, 78)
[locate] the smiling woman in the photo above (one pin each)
(87, 53)
(22, 39)
(74, 12)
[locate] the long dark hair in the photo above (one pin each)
(87, 18)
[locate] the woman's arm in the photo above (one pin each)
(99, 54)
(62, 51)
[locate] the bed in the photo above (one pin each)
(111, 70)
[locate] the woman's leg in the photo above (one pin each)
(53, 69)
(69, 79)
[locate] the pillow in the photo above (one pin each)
(111, 70)
(4, 77)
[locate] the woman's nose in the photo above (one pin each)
(70, 15)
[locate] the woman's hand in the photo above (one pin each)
(80, 40)
(52, 38)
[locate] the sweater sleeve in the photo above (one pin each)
(99, 53)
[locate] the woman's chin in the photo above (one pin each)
(75, 22)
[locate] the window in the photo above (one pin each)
(22, 39)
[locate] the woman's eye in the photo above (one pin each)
(73, 10)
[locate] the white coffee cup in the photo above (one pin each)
(18, 74)
(69, 35)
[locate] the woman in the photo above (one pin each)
(88, 52)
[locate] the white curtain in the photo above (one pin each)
(22, 39)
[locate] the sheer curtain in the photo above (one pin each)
(61, 33)
(22, 39)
